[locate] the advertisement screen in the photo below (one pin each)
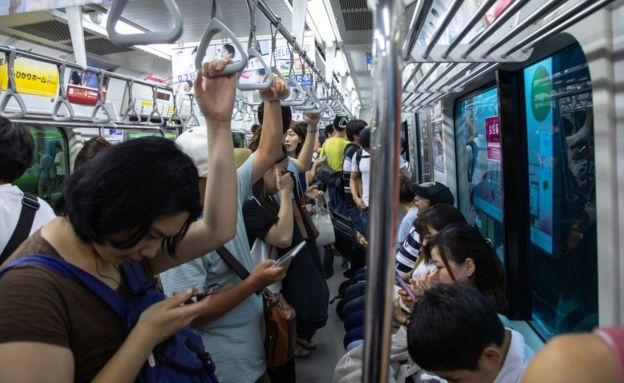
(539, 115)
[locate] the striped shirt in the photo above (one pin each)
(408, 253)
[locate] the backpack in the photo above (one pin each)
(180, 358)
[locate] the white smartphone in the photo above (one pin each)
(290, 255)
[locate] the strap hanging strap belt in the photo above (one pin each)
(30, 205)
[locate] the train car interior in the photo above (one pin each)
(514, 107)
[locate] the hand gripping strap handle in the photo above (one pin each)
(215, 26)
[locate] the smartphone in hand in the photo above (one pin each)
(405, 287)
(290, 255)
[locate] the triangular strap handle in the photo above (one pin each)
(298, 96)
(100, 120)
(187, 123)
(145, 38)
(131, 107)
(72, 272)
(155, 111)
(4, 101)
(61, 98)
(268, 78)
(175, 116)
(214, 27)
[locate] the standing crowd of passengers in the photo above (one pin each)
(108, 290)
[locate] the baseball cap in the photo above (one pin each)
(193, 143)
(340, 122)
(435, 192)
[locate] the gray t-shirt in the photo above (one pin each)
(235, 341)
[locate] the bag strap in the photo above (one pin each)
(30, 205)
(69, 271)
(232, 262)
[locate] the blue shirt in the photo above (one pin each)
(235, 341)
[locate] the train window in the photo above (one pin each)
(478, 145)
(50, 164)
(424, 125)
(131, 134)
(238, 139)
(562, 193)
(437, 143)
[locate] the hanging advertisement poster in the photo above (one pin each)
(183, 62)
(539, 115)
(31, 76)
(492, 139)
(10, 7)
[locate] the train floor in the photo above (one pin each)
(319, 366)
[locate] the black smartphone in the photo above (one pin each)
(200, 294)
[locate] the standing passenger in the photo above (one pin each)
(135, 204)
(16, 155)
(232, 325)
(332, 153)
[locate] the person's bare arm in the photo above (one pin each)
(270, 145)
(304, 159)
(355, 184)
(215, 95)
(281, 234)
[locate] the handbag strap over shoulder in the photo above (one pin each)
(232, 262)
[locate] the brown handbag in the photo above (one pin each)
(279, 318)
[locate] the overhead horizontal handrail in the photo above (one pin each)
(11, 91)
(511, 10)
(442, 27)
(61, 99)
(71, 65)
(155, 111)
(192, 116)
(564, 21)
(253, 50)
(415, 27)
(411, 76)
(214, 27)
(449, 67)
(297, 46)
(468, 27)
(131, 107)
(143, 38)
(100, 102)
(544, 9)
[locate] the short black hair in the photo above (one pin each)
(438, 217)
(286, 116)
(451, 325)
(329, 130)
(16, 150)
(230, 49)
(125, 188)
(354, 127)
(365, 138)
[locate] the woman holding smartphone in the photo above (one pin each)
(280, 227)
(137, 202)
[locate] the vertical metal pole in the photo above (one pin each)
(74, 20)
(412, 137)
(384, 188)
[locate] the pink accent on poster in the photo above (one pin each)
(492, 138)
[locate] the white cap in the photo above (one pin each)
(194, 142)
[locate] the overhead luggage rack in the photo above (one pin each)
(437, 68)
(61, 98)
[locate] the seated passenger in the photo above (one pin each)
(135, 204)
(580, 358)
(455, 333)
(426, 195)
(16, 155)
(232, 325)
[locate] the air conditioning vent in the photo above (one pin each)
(358, 21)
(101, 46)
(348, 5)
(51, 30)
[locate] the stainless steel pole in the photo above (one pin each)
(384, 188)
